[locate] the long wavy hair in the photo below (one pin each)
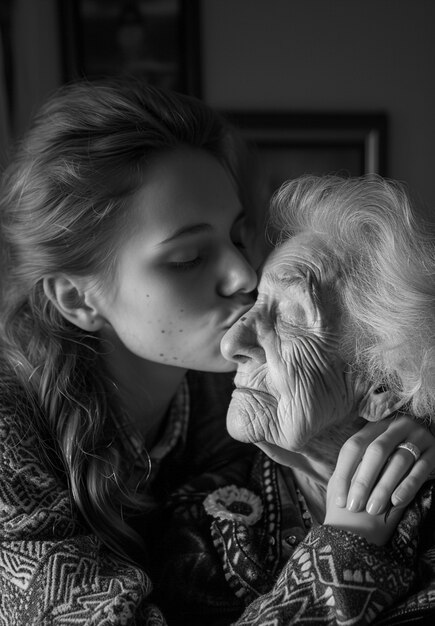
(385, 249)
(64, 203)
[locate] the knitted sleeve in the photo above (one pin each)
(337, 577)
(332, 578)
(328, 576)
(52, 570)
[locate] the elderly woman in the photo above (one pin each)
(343, 331)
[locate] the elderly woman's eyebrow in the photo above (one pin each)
(282, 280)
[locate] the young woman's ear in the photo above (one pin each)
(71, 299)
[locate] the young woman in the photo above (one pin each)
(126, 225)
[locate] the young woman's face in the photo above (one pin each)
(182, 278)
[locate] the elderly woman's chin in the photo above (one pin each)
(258, 417)
(249, 415)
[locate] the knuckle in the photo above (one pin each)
(381, 492)
(361, 482)
(378, 449)
(353, 446)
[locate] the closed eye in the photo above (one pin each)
(186, 265)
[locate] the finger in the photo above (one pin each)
(376, 459)
(350, 457)
(410, 485)
(371, 467)
(399, 464)
(393, 516)
(342, 488)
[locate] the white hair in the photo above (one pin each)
(385, 248)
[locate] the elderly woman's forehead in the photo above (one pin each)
(302, 247)
(292, 259)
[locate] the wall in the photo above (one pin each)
(331, 55)
(36, 54)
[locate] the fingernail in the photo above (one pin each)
(374, 507)
(354, 504)
(340, 501)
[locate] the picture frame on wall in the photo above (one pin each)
(293, 144)
(156, 40)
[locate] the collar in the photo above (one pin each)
(147, 462)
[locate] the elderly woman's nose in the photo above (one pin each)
(240, 342)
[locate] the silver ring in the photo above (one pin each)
(412, 448)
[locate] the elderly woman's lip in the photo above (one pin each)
(256, 392)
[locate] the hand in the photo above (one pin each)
(376, 529)
(372, 473)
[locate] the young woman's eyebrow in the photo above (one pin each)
(197, 228)
(188, 230)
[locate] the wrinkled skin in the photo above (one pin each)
(295, 400)
(291, 386)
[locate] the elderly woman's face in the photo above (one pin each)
(290, 382)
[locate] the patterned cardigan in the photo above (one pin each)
(207, 567)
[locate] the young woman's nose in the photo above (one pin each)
(240, 343)
(237, 274)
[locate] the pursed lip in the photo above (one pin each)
(256, 392)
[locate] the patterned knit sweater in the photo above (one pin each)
(208, 566)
